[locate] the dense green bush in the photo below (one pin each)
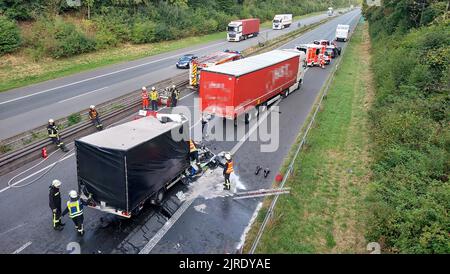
(411, 195)
(10, 38)
(57, 38)
(143, 32)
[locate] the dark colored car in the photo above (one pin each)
(332, 51)
(185, 60)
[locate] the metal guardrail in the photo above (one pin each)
(129, 104)
(290, 168)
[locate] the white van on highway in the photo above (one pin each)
(342, 32)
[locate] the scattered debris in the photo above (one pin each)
(200, 208)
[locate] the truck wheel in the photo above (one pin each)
(284, 94)
(159, 197)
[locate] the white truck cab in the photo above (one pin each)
(281, 21)
(234, 31)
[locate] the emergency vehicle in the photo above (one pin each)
(213, 59)
(314, 53)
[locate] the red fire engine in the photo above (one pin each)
(213, 59)
(314, 54)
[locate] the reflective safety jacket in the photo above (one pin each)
(154, 95)
(52, 131)
(228, 168)
(144, 95)
(175, 93)
(93, 114)
(192, 147)
(75, 208)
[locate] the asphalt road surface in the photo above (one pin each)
(26, 108)
(214, 224)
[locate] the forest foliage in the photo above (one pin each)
(107, 23)
(411, 63)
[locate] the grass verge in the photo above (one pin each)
(326, 211)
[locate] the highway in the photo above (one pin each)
(211, 223)
(26, 108)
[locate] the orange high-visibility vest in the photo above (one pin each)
(229, 168)
(192, 147)
(144, 95)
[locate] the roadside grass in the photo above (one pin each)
(19, 69)
(326, 211)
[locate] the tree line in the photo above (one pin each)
(410, 117)
(61, 30)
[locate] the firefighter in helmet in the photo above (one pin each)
(95, 117)
(154, 99)
(75, 210)
(227, 170)
(53, 134)
(175, 95)
(55, 204)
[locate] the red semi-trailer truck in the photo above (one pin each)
(234, 89)
(242, 29)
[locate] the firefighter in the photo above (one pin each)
(227, 170)
(144, 96)
(322, 61)
(53, 134)
(193, 152)
(75, 210)
(95, 118)
(154, 99)
(55, 204)
(175, 95)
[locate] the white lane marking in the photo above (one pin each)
(12, 229)
(118, 71)
(250, 223)
(37, 172)
(107, 74)
(158, 236)
(68, 99)
(250, 132)
(22, 248)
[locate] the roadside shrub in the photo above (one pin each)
(10, 38)
(143, 32)
(410, 197)
(69, 41)
(105, 38)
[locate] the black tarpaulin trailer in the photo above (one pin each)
(125, 165)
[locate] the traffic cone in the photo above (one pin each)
(44, 153)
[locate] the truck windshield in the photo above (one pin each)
(232, 28)
(276, 21)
